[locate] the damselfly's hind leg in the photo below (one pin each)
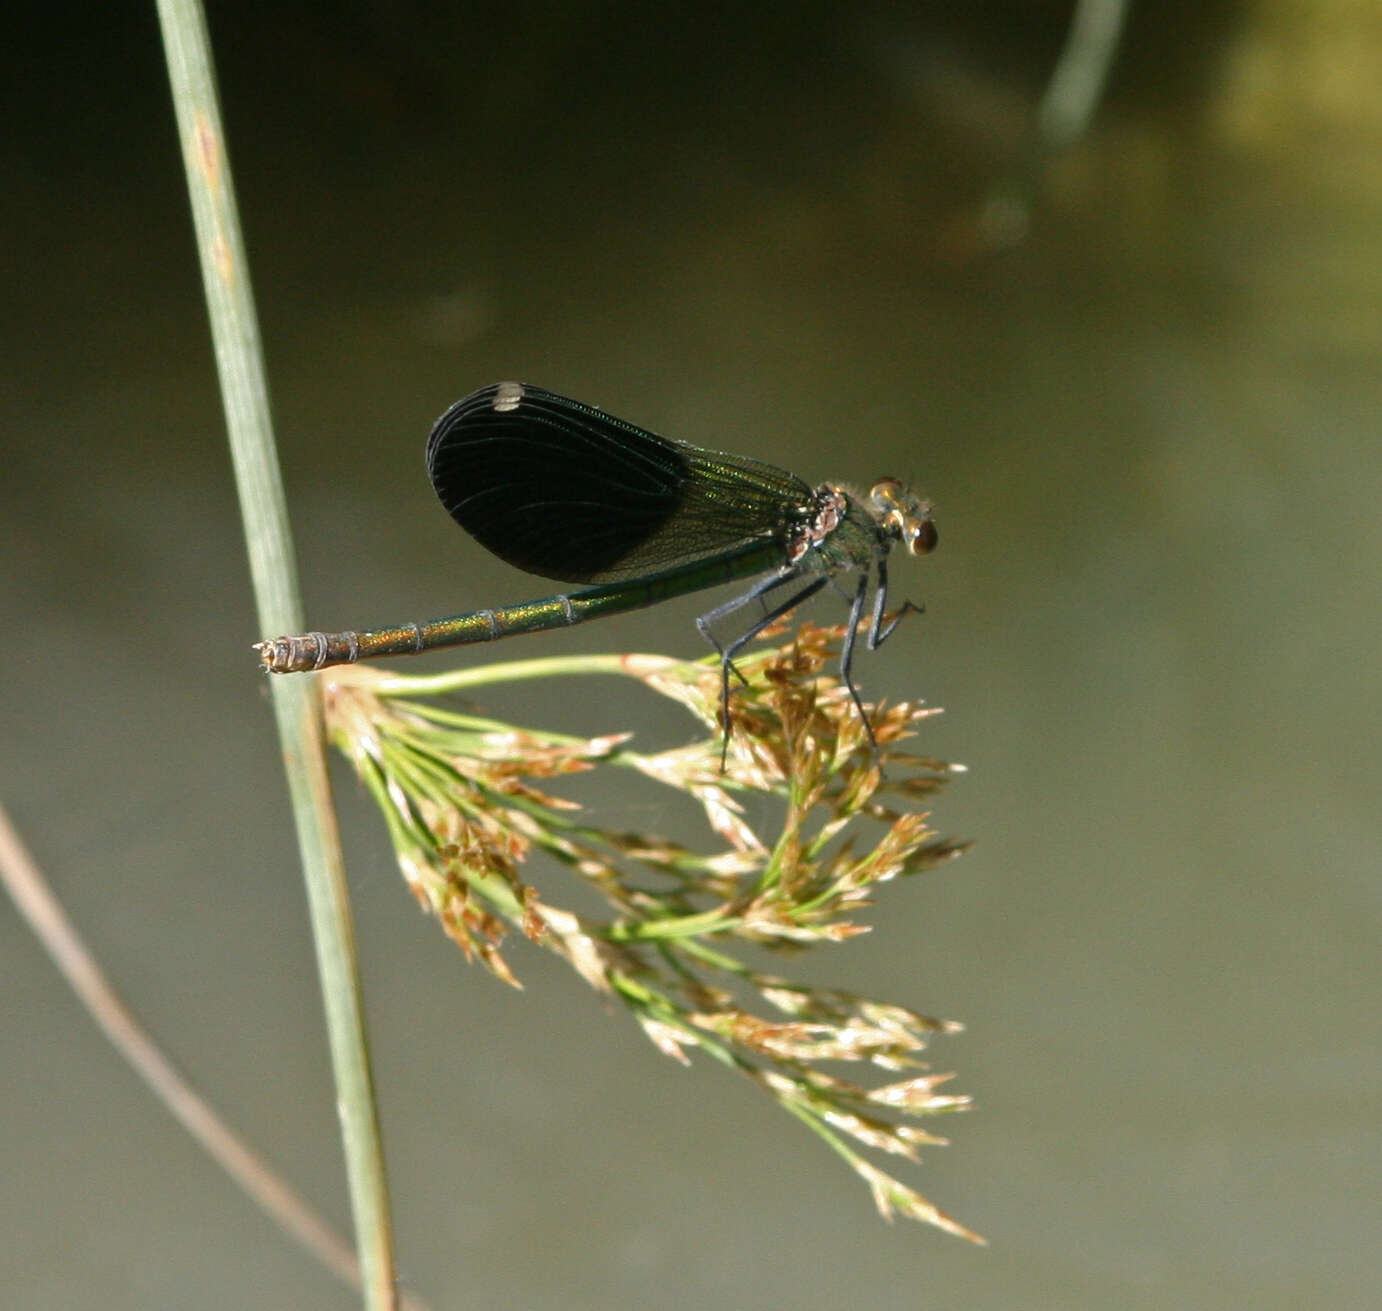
(727, 653)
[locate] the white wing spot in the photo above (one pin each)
(507, 396)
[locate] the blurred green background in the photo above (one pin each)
(1150, 430)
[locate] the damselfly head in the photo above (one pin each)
(905, 515)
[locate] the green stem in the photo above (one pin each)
(632, 665)
(239, 363)
(455, 680)
(675, 926)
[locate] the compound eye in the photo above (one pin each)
(922, 537)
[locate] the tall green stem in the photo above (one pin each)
(239, 363)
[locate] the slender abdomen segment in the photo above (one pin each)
(310, 651)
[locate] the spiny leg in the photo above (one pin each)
(856, 610)
(756, 593)
(877, 633)
(705, 623)
(727, 653)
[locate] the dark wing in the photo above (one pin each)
(565, 491)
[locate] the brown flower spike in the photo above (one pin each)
(466, 804)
